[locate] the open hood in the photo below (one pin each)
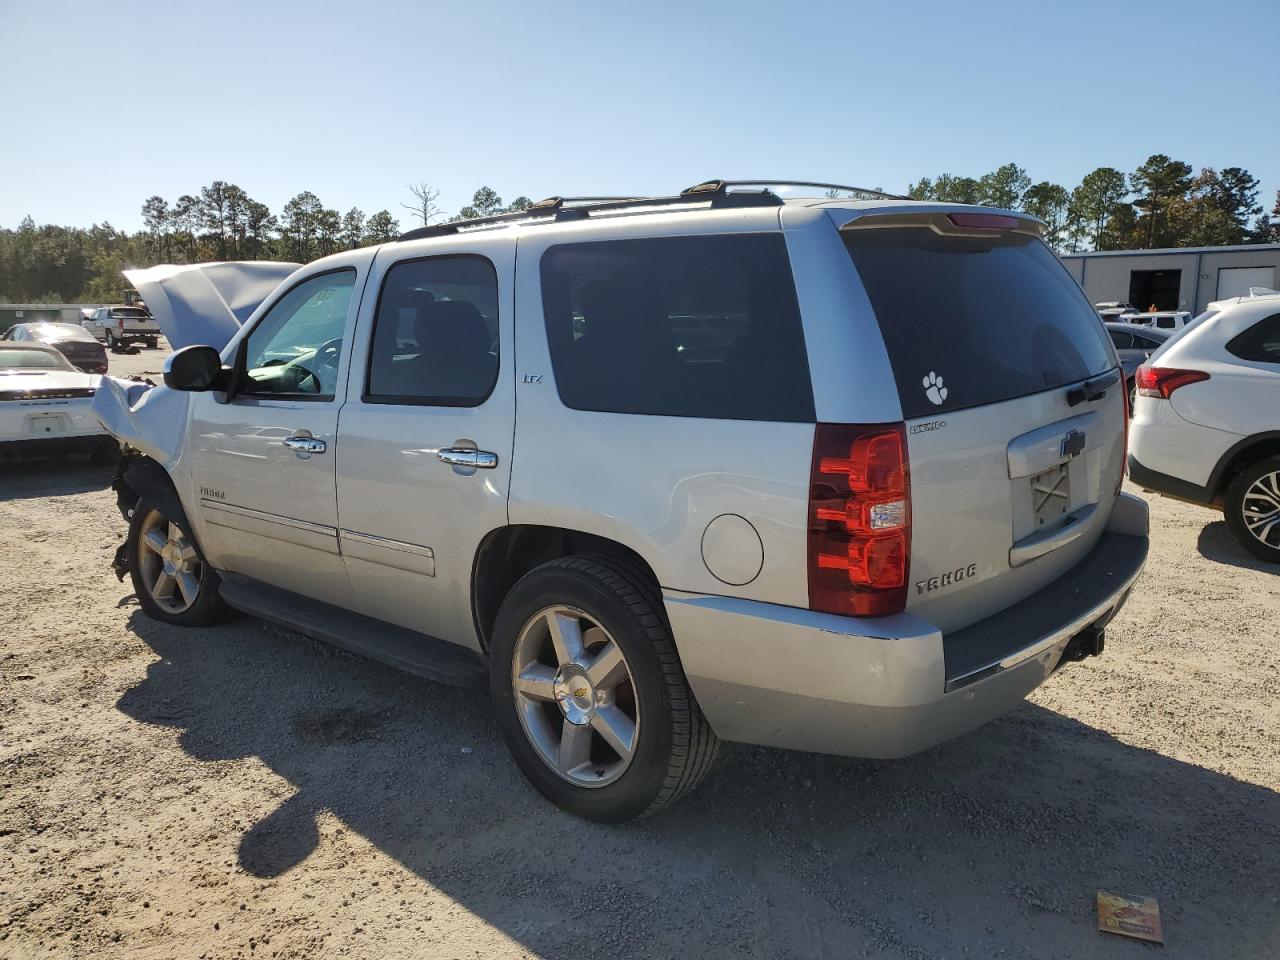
(206, 303)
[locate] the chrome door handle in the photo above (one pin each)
(464, 457)
(304, 444)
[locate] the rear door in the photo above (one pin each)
(426, 438)
(1014, 462)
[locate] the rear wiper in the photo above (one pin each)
(1094, 389)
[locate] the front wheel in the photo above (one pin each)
(1252, 508)
(170, 577)
(590, 694)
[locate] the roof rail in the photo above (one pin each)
(714, 192)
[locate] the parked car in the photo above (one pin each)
(833, 476)
(1160, 320)
(77, 344)
(121, 326)
(1114, 309)
(1206, 426)
(1133, 347)
(46, 405)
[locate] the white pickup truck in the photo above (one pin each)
(121, 326)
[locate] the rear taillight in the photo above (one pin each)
(1124, 456)
(1162, 381)
(859, 519)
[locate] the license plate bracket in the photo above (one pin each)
(1051, 495)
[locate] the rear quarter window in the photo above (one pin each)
(969, 320)
(1260, 343)
(703, 326)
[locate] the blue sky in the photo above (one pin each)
(103, 104)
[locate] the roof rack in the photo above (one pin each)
(714, 192)
(803, 183)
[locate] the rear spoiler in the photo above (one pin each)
(205, 303)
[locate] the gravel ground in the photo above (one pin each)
(244, 792)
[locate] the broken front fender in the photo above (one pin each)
(152, 420)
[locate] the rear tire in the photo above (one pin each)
(622, 673)
(112, 343)
(151, 343)
(1252, 508)
(169, 575)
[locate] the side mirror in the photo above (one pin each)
(193, 369)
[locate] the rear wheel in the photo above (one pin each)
(1252, 508)
(590, 694)
(151, 343)
(170, 577)
(113, 344)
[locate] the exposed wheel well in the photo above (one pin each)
(1247, 451)
(508, 553)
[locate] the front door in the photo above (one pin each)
(425, 438)
(263, 462)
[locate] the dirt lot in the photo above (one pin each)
(246, 792)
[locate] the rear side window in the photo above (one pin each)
(702, 326)
(1122, 340)
(1261, 342)
(435, 336)
(970, 321)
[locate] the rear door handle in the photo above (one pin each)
(464, 457)
(304, 445)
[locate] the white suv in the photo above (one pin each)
(829, 475)
(1206, 424)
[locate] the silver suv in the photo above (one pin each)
(832, 475)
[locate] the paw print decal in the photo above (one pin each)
(933, 388)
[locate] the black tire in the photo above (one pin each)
(208, 607)
(151, 343)
(1234, 503)
(112, 343)
(675, 745)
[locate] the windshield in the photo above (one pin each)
(12, 359)
(989, 319)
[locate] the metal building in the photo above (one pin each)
(11, 313)
(1182, 278)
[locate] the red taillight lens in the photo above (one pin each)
(1124, 456)
(1162, 381)
(859, 519)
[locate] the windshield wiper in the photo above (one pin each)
(1094, 389)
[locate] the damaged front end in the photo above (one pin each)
(193, 304)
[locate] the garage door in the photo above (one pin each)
(1236, 281)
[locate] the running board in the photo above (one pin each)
(395, 646)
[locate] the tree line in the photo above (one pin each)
(52, 264)
(1163, 203)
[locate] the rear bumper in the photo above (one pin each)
(890, 686)
(1169, 486)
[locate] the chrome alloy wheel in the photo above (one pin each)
(170, 566)
(575, 696)
(1261, 509)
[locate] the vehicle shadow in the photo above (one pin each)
(1217, 543)
(997, 842)
(60, 477)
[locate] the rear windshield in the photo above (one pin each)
(975, 321)
(130, 313)
(14, 359)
